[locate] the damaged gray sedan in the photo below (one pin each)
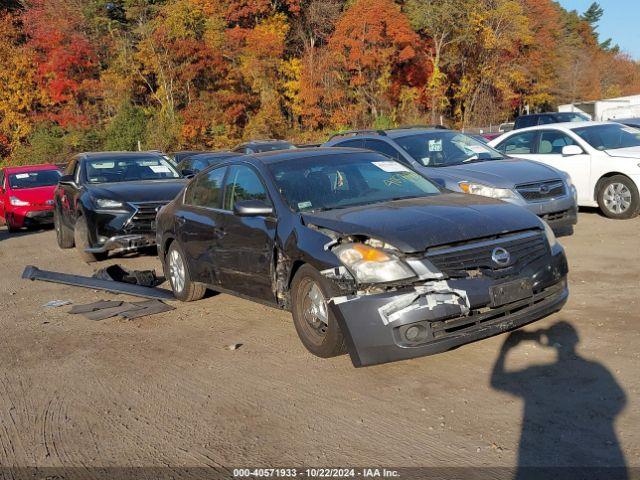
(370, 257)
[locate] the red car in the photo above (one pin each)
(26, 195)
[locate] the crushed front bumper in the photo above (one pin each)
(31, 217)
(445, 314)
(124, 243)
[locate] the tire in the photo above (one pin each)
(618, 198)
(324, 340)
(177, 271)
(81, 240)
(10, 227)
(64, 235)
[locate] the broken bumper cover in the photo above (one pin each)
(124, 243)
(425, 320)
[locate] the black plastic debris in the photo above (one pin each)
(34, 273)
(117, 273)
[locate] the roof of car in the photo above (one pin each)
(262, 142)
(389, 133)
(215, 155)
(283, 155)
(119, 155)
(561, 125)
(31, 168)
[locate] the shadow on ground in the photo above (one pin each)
(569, 410)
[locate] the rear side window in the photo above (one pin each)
(521, 143)
(243, 184)
(206, 190)
(382, 147)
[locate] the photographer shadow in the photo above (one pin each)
(569, 410)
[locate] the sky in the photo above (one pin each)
(620, 22)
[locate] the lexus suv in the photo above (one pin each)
(460, 163)
(369, 256)
(108, 201)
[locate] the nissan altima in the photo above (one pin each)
(370, 257)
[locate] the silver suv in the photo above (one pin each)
(460, 163)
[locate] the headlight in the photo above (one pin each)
(551, 237)
(107, 203)
(16, 202)
(371, 265)
(486, 191)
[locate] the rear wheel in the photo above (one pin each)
(184, 288)
(316, 326)
(64, 235)
(81, 240)
(618, 198)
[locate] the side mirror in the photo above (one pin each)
(67, 180)
(569, 150)
(252, 208)
(187, 173)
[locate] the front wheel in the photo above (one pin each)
(184, 289)
(315, 323)
(81, 240)
(11, 228)
(64, 235)
(618, 198)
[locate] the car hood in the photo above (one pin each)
(629, 152)
(413, 225)
(142, 191)
(505, 173)
(35, 196)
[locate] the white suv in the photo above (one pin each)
(602, 158)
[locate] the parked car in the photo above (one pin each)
(629, 122)
(177, 157)
(460, 163)
(506, 127)
(196, 163)
(602, 158)
(524, 121)
(108, 201)
(257, 146)
(26, 195)
(367, 254)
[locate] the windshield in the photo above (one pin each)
(609, 136)
(339, 181)
(270, 147)
(38, 178)
(446, 148)
(570, 117)
(129, 169)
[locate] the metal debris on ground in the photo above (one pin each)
(108, 309)
(57, 303)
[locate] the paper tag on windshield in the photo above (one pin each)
(477, 148)
(22, 175)
(303, 205)
(435, 145)
(391, 167)
(159, 168)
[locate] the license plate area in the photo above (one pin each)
(511, 292)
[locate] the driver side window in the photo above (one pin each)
(243, 183)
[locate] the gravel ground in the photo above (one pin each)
(166, 391)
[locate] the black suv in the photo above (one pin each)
(108, 201)
(534, 119)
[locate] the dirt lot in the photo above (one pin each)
(165, 391)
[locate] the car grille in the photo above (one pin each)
(541, 191)
(144, 218)
(476, 256)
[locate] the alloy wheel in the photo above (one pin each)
(177, 272)
(314, 310)
(617, 198)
